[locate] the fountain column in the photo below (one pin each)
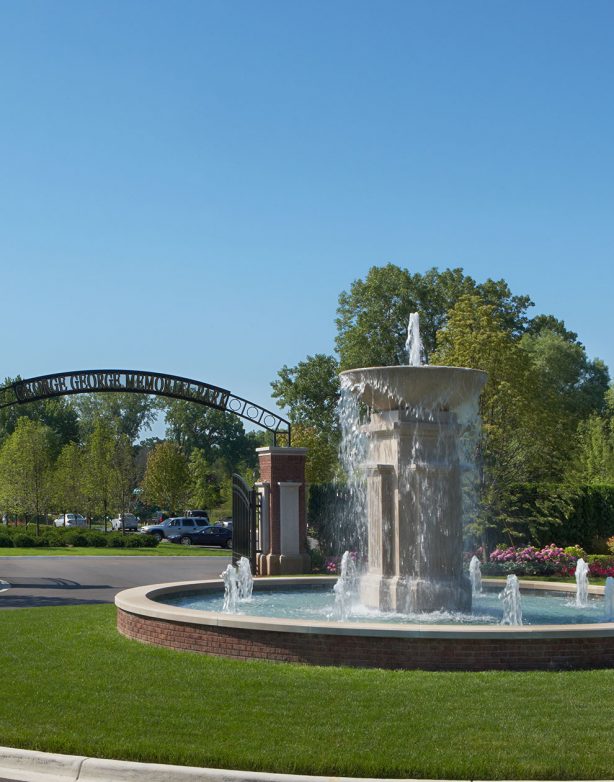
(413, 473)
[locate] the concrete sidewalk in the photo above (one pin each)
(21, 765)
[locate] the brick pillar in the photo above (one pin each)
(285, 536)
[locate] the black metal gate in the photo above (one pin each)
(245, 515)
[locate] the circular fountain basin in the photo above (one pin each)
(142, 616)
(427, 387)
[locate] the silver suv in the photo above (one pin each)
(175, 526)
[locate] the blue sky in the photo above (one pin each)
(187, 186)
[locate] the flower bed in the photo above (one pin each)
(551, 560)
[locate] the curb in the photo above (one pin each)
(24, 765)
(31, 766)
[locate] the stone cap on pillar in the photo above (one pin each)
(280, 451)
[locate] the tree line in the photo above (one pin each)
(83, 455)
(547, 411)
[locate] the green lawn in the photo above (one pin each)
(71, 683)
(163, 550)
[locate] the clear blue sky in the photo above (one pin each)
(187, 186)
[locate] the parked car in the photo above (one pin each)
(126, 522)
(199, 514)
(207, 536)
(175, 526)
(71, 520)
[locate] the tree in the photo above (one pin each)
(127, 413)
(220, 435)
(25, 469)
(310, 391)
(372, 317)
(517, 442)
(594, 462)
(98, 477)
(68, 479)
(205, 482)
(123, 473)
(167, 478)
(58, 414)
(577, 384)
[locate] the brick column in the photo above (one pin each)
(283, 470)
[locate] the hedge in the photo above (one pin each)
(541, 513)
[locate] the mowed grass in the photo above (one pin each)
(163, 550)
(72, 684)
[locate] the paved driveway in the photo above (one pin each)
(56, 581)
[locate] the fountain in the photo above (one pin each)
(413, 468)
(245, 580)
(475, 576)
(416, 600)
(346, 588)
(231, 589)
(581, 583)
(512, 605)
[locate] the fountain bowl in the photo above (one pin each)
(426, 387)
(142, 617)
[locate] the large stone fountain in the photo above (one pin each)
(414, 494)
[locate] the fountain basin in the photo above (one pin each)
(425, 387)
(365, 644)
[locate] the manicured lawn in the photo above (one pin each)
(163, 550)
(71, 683)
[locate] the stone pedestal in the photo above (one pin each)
(283, 530)
(414, 493)
(415, 514)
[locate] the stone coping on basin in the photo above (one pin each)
(141, 601)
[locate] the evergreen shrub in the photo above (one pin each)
(21, 540)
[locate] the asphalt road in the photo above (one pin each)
(57, 581)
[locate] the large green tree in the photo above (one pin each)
(310, 391)
(123, 473)
(68, 480)
(98, 473)
(220, 435)
(372, 316)
(127, 413)
(25, 469)
(58, 414)
(518, 437)
(167, 477)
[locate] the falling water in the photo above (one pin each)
(512, 607)
(475, 576)
(346, 588)
(245, 580)
(231, 589)
(413, 343)
(351, 505)
(581, 583)
(609, 599)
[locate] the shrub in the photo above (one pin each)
(115, 540)
(77, 538)
(134, 541)
(6, 542)
(575, 551)
(96, 539)
(530, 561)
(600, 565)
(22, 540)
(146, 541)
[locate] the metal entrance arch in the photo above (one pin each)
(133, 381)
